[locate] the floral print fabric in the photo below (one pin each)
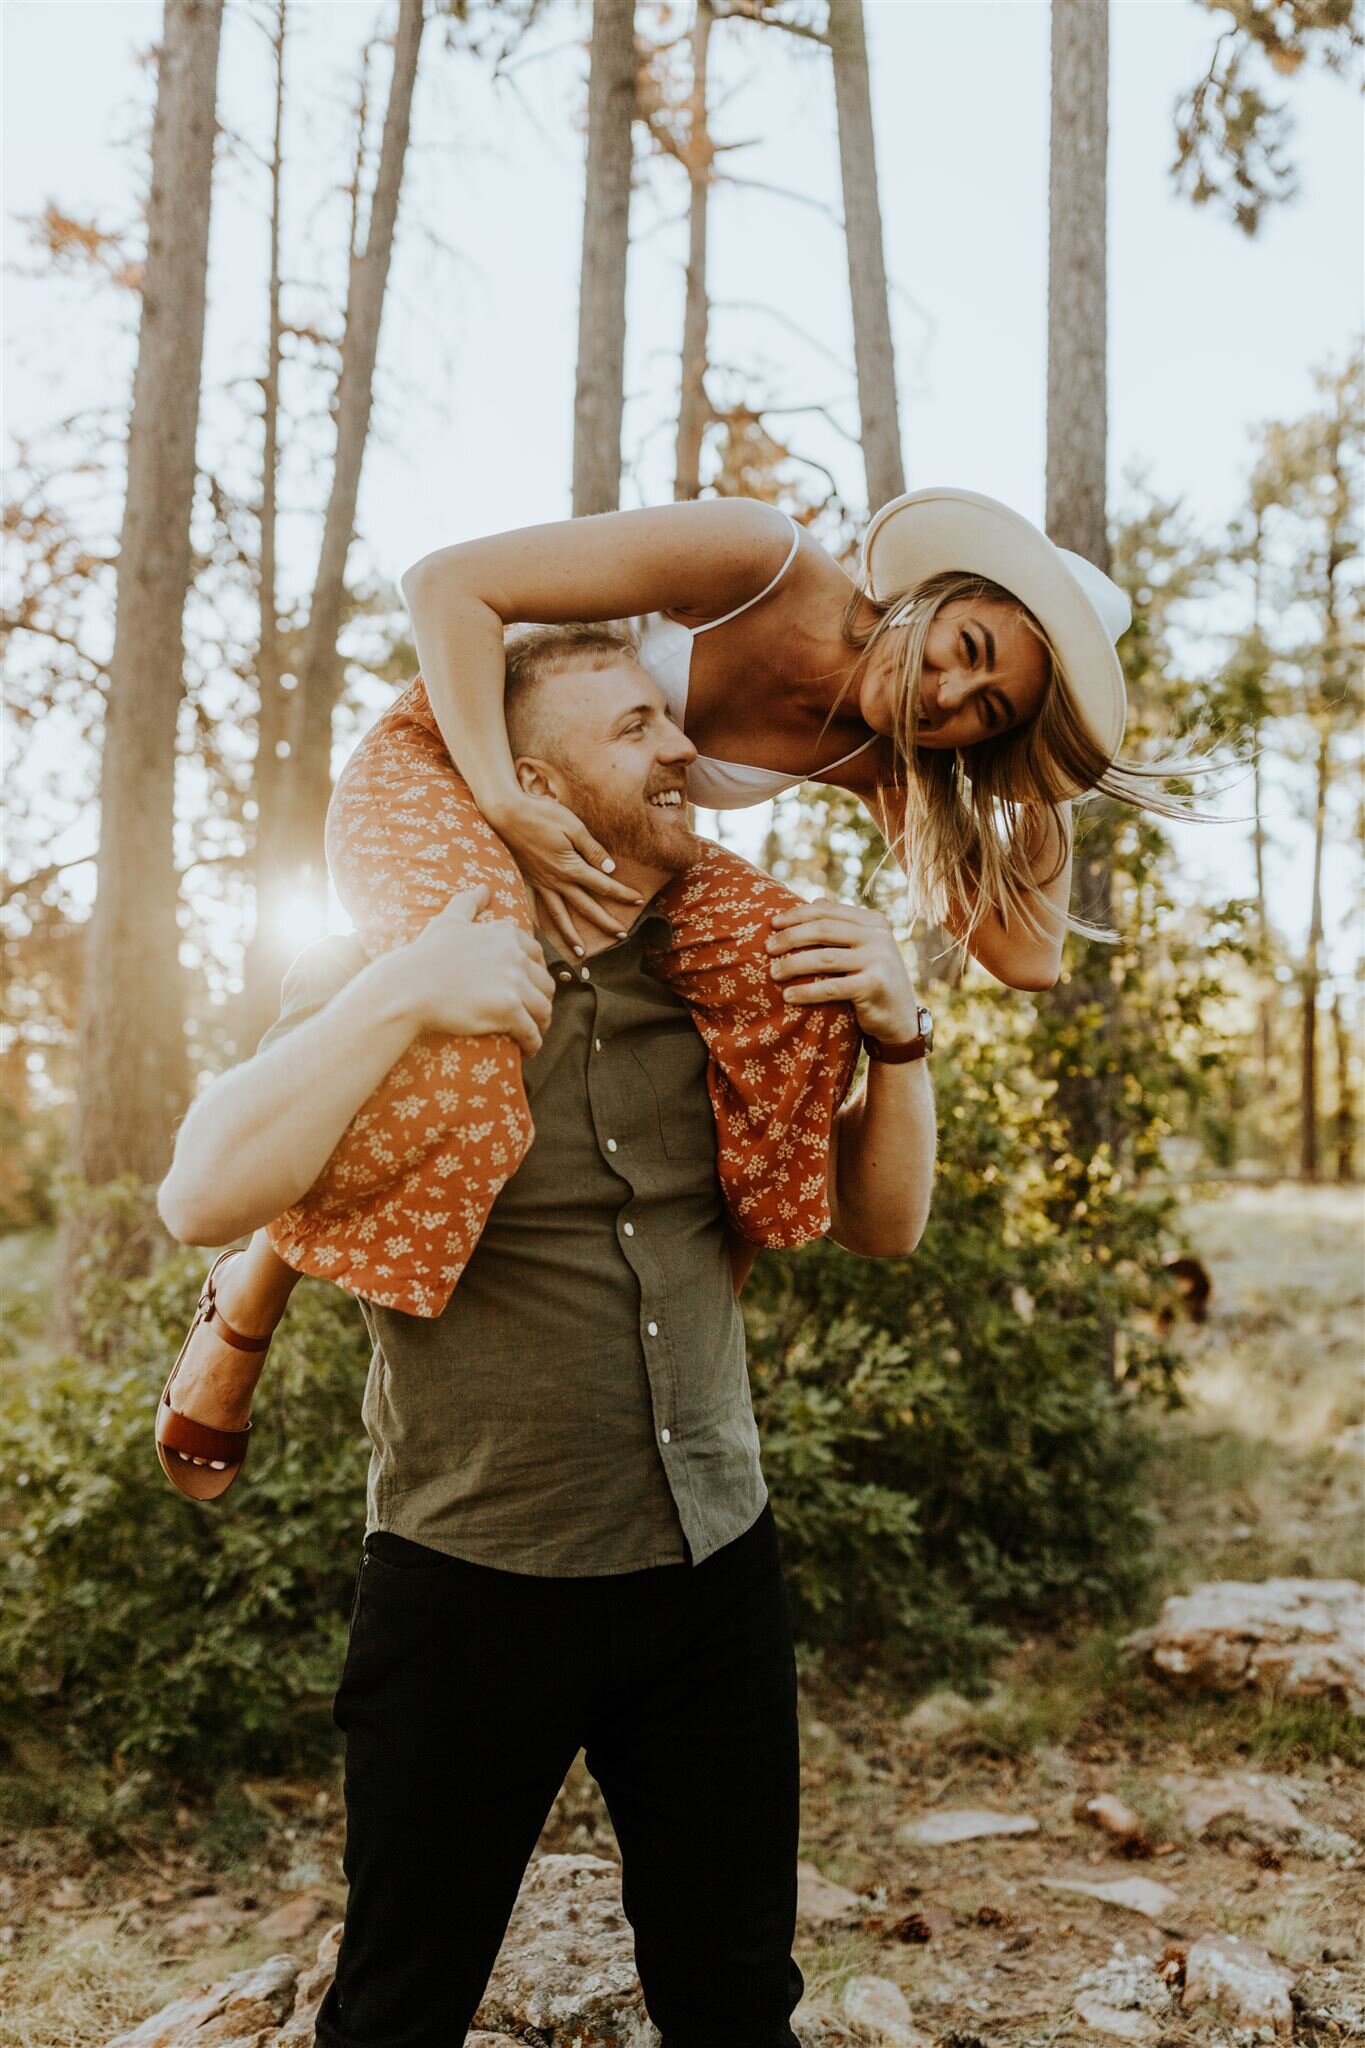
(399, 1207)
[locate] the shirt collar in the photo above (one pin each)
(651, 927)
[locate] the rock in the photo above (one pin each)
(1263, 1805)
(167, 2028)
(937, 1716)
(1240, 1980)
(294, 1919)
(568, 1963)
(1301, 1637)
(1109, 1813)
(964, 1824)
(818, 1900)
(213, 1917)
(241, 2012)
(878, 2006)
(1134, 1894)
(1119, 2026)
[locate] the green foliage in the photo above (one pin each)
(195, 1638)
(1231, 138)
(948, 1458)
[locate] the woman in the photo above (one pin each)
(964, 688)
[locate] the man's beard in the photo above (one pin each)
(633, 830)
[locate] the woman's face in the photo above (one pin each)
(984, 672)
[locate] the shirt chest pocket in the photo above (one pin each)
(672, 1067)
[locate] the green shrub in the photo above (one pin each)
(154, 1630)
(949, 1459)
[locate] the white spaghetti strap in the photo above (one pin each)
(749, 602)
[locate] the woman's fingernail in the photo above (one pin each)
(579, 951)
(609, 866)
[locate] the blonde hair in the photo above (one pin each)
(972, 814)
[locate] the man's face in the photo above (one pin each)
(623, 764)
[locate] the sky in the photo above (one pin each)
(1210, 333)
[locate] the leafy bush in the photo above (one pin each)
(197, 1638)
(949, 1459)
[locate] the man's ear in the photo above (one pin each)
(536, 776)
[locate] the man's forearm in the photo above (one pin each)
(257, 1140)
(882, 1162)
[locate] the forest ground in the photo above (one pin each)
(1259, 1476)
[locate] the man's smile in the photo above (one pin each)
(666, 799)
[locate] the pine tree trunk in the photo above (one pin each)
(1077, 434)
(133, 1067)
(693, 408)
(1311, 979)
(320, 671)
(1344, 1122)
(873, 352)
(1077, 390)
(263, 966)
(599, 396)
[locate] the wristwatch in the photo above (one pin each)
(917, 1048)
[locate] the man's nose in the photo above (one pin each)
(677, 749)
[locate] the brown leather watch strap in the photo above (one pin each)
(896, 1055)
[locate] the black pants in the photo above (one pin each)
(465, 1697)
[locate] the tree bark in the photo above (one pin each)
(873, 351)
(1077, 434)
(599, 395)
(693, 408)
(133, 1066)
(1311, 978)
(319, 675)
(262, 969)
(1077, 294)
(1344, 1121)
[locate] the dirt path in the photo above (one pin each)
(1260, 1477)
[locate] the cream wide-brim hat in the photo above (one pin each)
(928, 533)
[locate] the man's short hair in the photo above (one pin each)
(535, 654)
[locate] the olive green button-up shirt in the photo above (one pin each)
(582, 1403)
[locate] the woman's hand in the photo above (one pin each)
(566, 869)
(845, 953)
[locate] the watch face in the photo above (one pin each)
(925, 1022)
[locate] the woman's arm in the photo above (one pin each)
(699, 559)
(1014, 955)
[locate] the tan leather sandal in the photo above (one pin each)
(201, 1462)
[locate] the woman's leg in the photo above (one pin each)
(779, 1070)
(400, 1204)
(216, 1381)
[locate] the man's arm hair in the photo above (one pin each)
(257, 1139)
(881, 1163)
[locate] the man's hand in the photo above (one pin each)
(472, 979)
(852, 956)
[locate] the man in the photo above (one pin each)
(569, 1544)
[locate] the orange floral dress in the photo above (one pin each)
(400, 1205)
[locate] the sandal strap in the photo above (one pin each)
(177, 1432)
(211, 1313)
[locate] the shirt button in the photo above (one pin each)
(597, 1045)
(611, 1144)
(653, 1329)
(629, 1229)
(583, 974)
(665, 1436)
(564, 974)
